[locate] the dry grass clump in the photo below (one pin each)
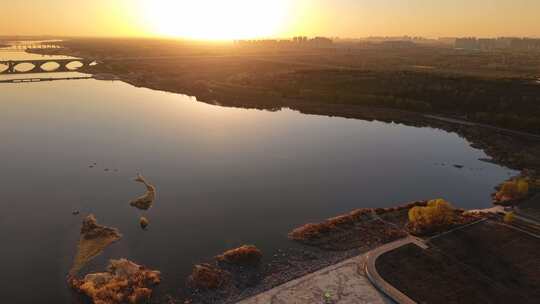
(207, 276)
(124, 282)
(309, 231)
(94, 239)
(314, 230)
(247, 254)
(143, 222)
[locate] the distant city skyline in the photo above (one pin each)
(242, 19)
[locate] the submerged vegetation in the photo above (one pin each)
(145, 201)
(94, 239)
(124, 281)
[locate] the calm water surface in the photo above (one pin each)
(225, 177)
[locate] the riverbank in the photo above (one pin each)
(317, 246)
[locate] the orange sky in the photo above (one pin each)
(220, 19)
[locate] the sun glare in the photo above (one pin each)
(215, 19)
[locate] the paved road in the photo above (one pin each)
(344, 283)
(376, 279)
(354, 281)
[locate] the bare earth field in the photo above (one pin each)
(483, 263)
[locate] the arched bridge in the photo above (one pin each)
(39, 66)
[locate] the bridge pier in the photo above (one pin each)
(11, 67)
(63, 67)
(35, 69)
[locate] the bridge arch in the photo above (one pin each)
(74, 65)
(24, 67)
(50, 66)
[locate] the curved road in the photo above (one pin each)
(376, 279)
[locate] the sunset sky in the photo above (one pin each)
(234, 19)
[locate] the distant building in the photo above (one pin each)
(295, 42)
(489, 44)
(525, 44)
(447, 40)
(320, 42)
(467, 44)
(300, 39)
(398, 44)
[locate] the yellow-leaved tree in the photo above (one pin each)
(436, 215)
(513, 189)
(509, 217)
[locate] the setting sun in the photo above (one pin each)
(215, 19)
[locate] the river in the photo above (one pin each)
(224, 176)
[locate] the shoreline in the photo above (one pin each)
(499, 144)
